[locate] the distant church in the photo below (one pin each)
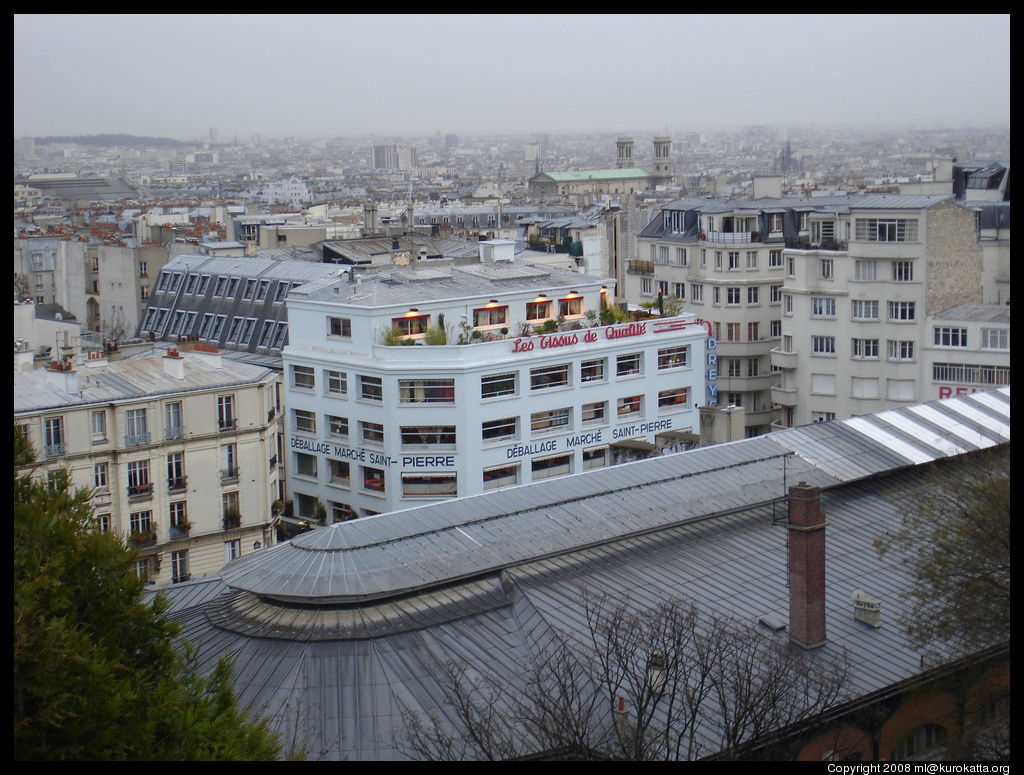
(623, 179)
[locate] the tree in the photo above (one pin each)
(669, 683)
(96, 674)
(955, 537)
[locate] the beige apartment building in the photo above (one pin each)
(179, 450)
(818, 304)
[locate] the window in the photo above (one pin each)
(411, 325)
(436, 436)
(500, 476)
(140, 522)
(204, 283)
(753, 332)
(499, 430)
(826, 268)
(595, 458)
(261, 290)
(266, 335)
(672, 357)
(674, 399)
(950, 337)
(697, 292)
(176, 470)
(732, 295)
(718, 259)
(232, 288)
(371, 388)
(337, 427)
(732, 332)
(136, 428)
(218, 288)
(247, 328)
(542, 468)
(679, 290)
(538, 310)
(864, 387)
(371, 433)
(340, 472)
(680, 256)
(901, 310)
(822, 416)
(178, 514)
(823, 345)
(733, 367)
(373, 479)
(545, 377)
(864, 270)
(753, 295)
(144, 269)
(903, 271)
(995, 338)
(663, 254)
(928, 741)
(232, 549)
(103, 523)
(249, 289)
(734, 259)
(336, 382)
(304, 421)
(823, 307)
(864, 348)
(663, 287)
(426, 391)
(339, 327)
(594, 413)
(179, 566)
(630, 363)
(98, 426)
(824, 384)
(305, 465)
(496, 385)
(303, 378)
(99, 476)
(430, 485)
(490, 316)
(751, 259)
(226, 412)
(970, 374)
(775, 222)
(228, 462)
(774, 328)
(901, 350)
(570, 307)
(774, 259)
(629, 405)
(864, 310)
(553, 421)
(900, 389)
(886, 230)
(282, 291)
(753, 367)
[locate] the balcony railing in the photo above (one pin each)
(640, 267)
(53, 450)
(730, 237)
(803, 243)
(177, 432)
(140, 490)
(180, 531)
(136, 439)
(143, 538)
(232, 519)
(178, 483)
(227, 424)
(229, 474)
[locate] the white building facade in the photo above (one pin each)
(178, 450)
(967, 350)
(376, 427)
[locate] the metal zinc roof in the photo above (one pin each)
(395, 553)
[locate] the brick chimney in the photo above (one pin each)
(806, 566)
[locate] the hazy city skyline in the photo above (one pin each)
(403, 75)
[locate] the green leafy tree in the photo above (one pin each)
(96, 674)
(955, 538)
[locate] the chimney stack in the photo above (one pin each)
(174, 364)
(806, 527)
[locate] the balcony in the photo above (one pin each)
(227, 424)
(140, 491)
(136, 439)
(143, 538)
(639, 267)
(731, 237)
(784, 396)
(180, 531)
(53, 450)
(177, 484)
(229, 475)
(802, 243)
(232, 519)
(177, 432)
(784, 360)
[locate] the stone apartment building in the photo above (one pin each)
(818, 304)
(178, 449)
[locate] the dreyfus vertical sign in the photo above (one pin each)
(711, 373)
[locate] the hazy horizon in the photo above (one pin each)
(177, 76)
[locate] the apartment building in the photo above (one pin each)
(967, 349)
(427, 382)
(52, 271)
(179, 450)
(817, 303)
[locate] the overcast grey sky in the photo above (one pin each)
(179, 75)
